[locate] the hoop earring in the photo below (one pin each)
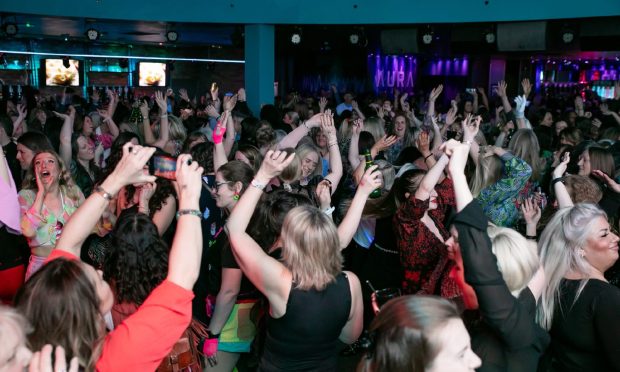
(236, 196)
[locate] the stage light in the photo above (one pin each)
(65, 62)
(354, 38)
(10, 28)
(296, 38)
(427, 38)
(92, 34)
(172, 36)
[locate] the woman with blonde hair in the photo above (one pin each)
(169, 133)
(313, 303)
(524, 145)
(47, 200)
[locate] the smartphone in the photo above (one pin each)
(471, 90)
(163, 166)
(229, 94)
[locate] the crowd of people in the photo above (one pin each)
(167, 232)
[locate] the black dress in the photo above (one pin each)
(584, 334)
(510, 339)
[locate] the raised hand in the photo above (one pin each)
(220, 130)
(470, 125)
(527, 87)
(161, 102)
(95, 96)
(608, 180)
(327, 126)
(458, 154)
(183, 94)
(358, 127)
(322, 104)
(423, 143)
(22, 110)
(371, 180)
(241, 95)
(215, 92)
(384, 143)
(188, 182)
(212, 111)
(230, 102)
(380, 112)
(561, 168)
(501, 88)
(521, 102)
(273, 165)
(481, 91)
(354, 105)
(130, 168)
(451, 116)
(531, 211)
(435, 93)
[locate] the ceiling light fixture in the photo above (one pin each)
(172, 36)
(10, 29)
(92, 34)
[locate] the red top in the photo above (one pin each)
(142, 340)
(423, 256)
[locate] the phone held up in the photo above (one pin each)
(163, 166)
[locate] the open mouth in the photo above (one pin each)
(45, 174)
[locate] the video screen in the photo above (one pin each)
(152, 74)
(56, 74)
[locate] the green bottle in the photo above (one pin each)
(369, 163)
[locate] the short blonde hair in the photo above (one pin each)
(311, 248)
(517, 259)
(375, 126)
(303, 150)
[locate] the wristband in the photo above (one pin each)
(428, 156)
(106, 195)
(329, 211)
(306, 125)
(333, 144)
(258, 185)
(530, 237)
(556, 180)
(192, 212)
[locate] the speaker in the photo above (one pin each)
(521, 36)
(399, 41)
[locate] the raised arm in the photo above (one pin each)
(164, 124)
(293, 138)
(356, 108)
(561, 194)
(269, 276)
(432, 98)
(470, 126)
(498, 306)
(354, 154)
(186, 251)
(219, 152)
(19, 123)
(431, 178)
(501, 92)
(229, 105)
(347, 228)
(65, 134)
(335, 162)
(483, 96)
(128, 171)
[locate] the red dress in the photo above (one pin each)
(423, 256)
(142, 340)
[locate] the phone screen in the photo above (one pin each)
(163, 166)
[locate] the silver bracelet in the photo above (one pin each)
(258, 185)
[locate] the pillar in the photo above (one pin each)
(259, 65)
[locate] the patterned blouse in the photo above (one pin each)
(499, 200)
(423, 257)
(45, 228)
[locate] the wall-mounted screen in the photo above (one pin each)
(57, 74)
(152, 74)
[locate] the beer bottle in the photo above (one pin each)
(369, 163)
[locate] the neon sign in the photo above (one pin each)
(392, 72)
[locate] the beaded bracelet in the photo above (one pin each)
(192, 212)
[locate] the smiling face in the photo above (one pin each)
(46, 167)
(86, 149)
(224, 192)
(321, 139)
(309, 164)
(601, 249)
(24, 156)
(400, 126)
(455, 353)
(584, 164)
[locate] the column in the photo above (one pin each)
(259, 65)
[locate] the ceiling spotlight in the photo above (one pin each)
(296, 38)
(172, 36)
(568, 36)
(427, 38)
(65, 62)
(489, 37)
(354, 38)
(10, 29)
(92, 34)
